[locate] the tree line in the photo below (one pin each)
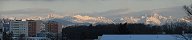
(92, 32)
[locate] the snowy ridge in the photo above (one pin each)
(89, 19)
(154, 17)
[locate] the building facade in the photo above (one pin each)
(18, 28)
(54, 28)
(34, 27)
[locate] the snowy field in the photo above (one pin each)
(140, 37)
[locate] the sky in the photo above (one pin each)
(89, 6)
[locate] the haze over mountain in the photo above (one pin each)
(27, 12)
(177, 11)
(111, 16)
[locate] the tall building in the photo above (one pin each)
(54, 28)
(34, 27)
(18, 28)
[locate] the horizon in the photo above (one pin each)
(95, 19)
(83, 7)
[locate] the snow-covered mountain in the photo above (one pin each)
(156, 17)
(86, 20)
(176, 12)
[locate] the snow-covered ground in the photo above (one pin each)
(140, 37)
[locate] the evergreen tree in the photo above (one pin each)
(7, 36)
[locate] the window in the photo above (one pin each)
(16, 25)
(15, 29)
(16, 22)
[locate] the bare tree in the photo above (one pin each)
(188, 10)
(7, 36)
(185, 36)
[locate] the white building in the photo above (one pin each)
(19, 27)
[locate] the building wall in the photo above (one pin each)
(34, 27)
(18, 28)
(54, 27)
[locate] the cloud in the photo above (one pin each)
(31, 0)
(26, 12)
(88, 6)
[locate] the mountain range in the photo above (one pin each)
(155, 16)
